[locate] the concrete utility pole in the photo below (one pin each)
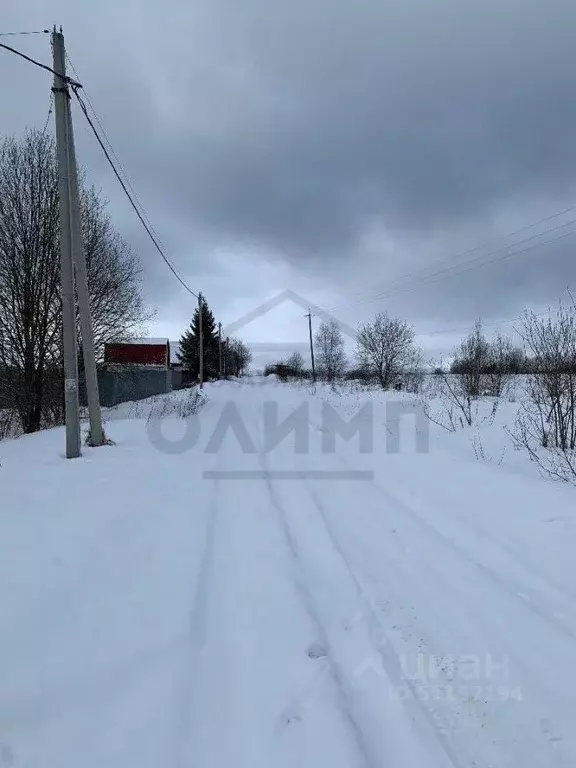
(61, 97)
(220, 350)
(79, 259)
(200, 343)
(226, 342)
(309, 316)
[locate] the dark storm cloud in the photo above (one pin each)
(290, 127)
(425, 113)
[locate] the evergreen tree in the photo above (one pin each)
(189, 351)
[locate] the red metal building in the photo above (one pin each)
(138, 352)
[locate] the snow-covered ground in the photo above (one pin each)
(216, 591)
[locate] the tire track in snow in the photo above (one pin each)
(513, 589)
(517, 591)
(196, 634)
(539, 676)
(430, 721)
(343, 676)
(425, 718)
(365, 759)
(504, 587)
(467, 522)
(198, 615)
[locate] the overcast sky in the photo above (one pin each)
(342, 149)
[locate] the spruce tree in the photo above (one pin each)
(189, 352)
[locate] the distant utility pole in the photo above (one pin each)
(309, 316)
(79, 259)
(200, 343)
(226, 356)
(220, 369)
(61, 97)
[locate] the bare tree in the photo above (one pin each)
(478, 368)
(546, 425)
(329, 349)
(30, 308)
(239, 357)
(114, 276)
(385, 348)
(450, 405)
(29, 273)
(500, 365)
(295, 364)
(472, 361)
(414, 376)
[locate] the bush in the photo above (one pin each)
(546, 424)
(291, 368)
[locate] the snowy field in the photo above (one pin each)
(217, 591)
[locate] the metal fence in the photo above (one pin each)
(125, 383)
(118, 384)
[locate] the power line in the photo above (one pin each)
(36, 32)
(457, 256)
(455, 266)
(495, 323)
(75, 86)
(443, 273)
(50, 107)
(39, 64)
(127, 193)
(447, 271)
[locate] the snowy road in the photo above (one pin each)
(229, 603)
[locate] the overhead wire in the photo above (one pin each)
(39, 64)
(128, 194)
(453, 260)
(498, 323)
(459, 269)
(75, 88)
(34, 32)
(490, 324)
(50, 108)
